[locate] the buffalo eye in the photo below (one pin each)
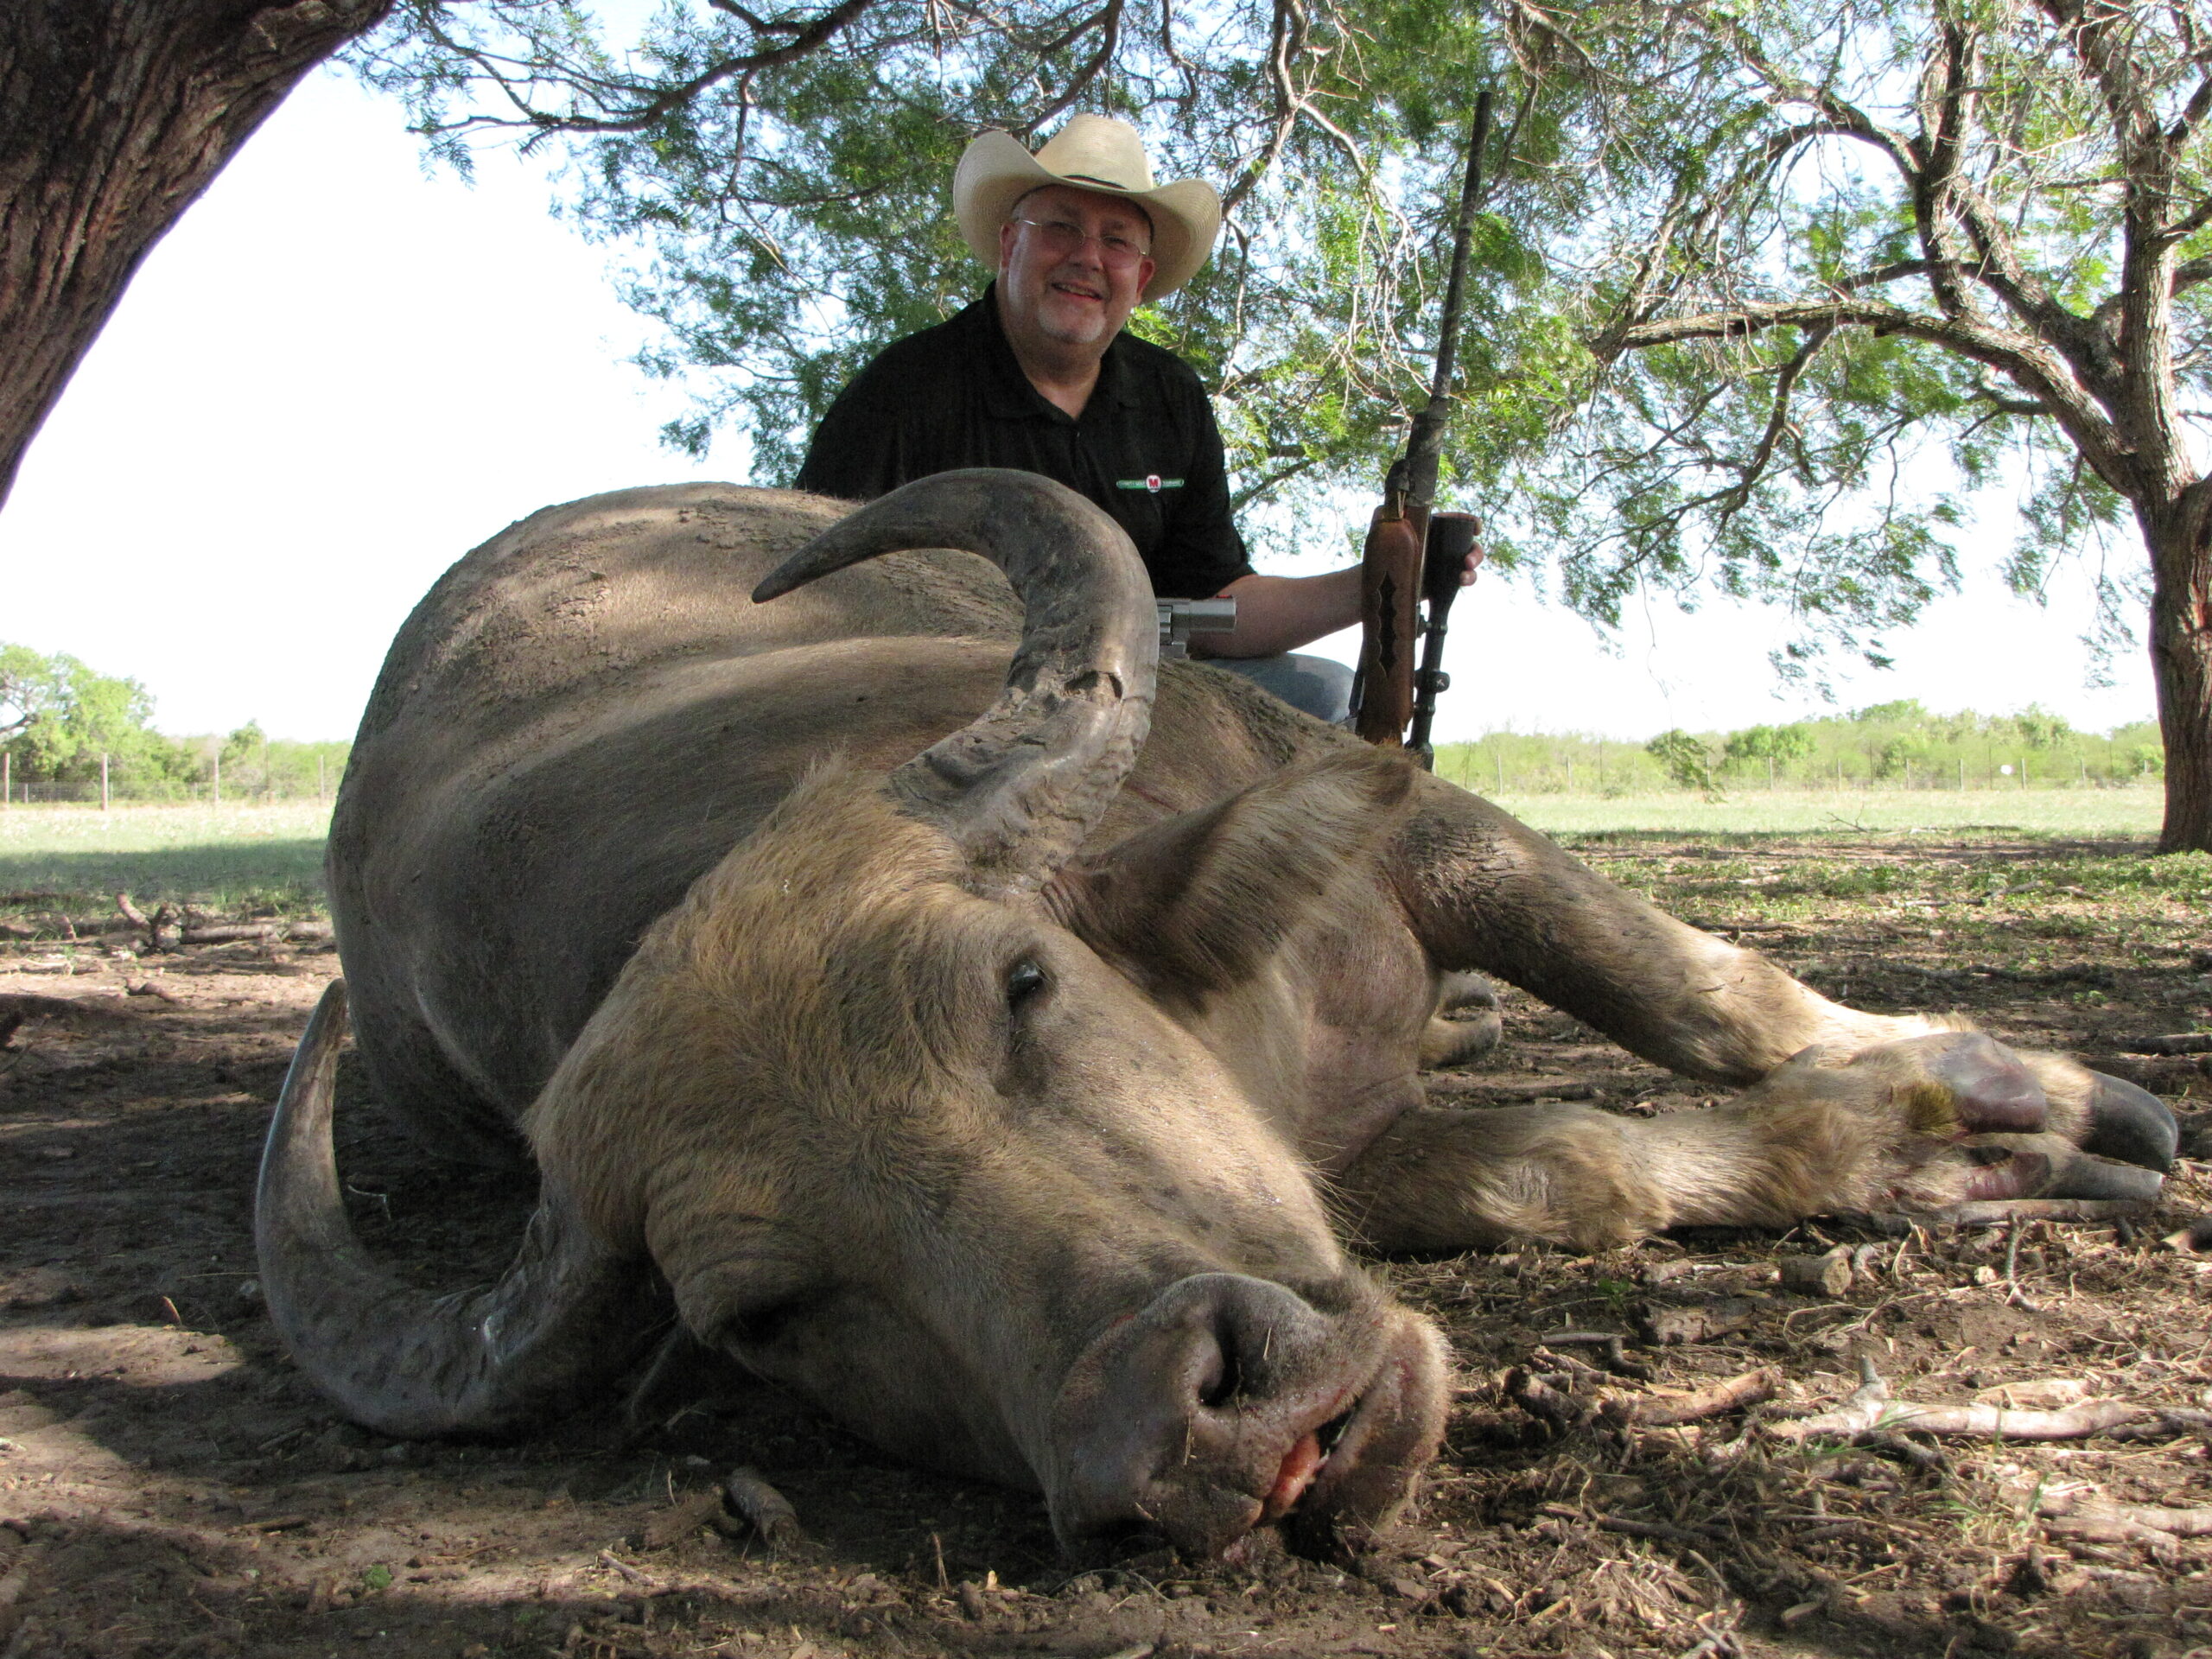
(1023, 980)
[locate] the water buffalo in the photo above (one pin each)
(1008, 1084)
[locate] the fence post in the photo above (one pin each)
(1501, 771)
(219, 777)
(318, 778)
(7, 783)
(103, 780)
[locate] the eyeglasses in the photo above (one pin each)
(1116, 252)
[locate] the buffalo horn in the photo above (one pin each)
(1021, 786)
(566, 1319)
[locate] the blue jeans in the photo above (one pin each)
(1313, 685)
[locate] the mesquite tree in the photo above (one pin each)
(1812, 242)
(1745, 266)
(114, 116)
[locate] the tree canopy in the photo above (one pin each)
(1759, 285)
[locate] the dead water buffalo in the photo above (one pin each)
(1009, 1082)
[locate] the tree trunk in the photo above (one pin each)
(114, 116)
(2181, 664)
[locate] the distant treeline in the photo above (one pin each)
(1889, 746)
(62, 724)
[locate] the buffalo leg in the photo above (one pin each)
(1483, 890)
(1908, 1125)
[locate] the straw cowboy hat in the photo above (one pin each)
(1092, 152)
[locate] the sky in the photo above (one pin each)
(341, 370)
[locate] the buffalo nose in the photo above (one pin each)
(1206, 1412)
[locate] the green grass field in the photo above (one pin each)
(2090, 812)
(231, 859)
(227, 860)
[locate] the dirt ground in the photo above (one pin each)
(169, 1486)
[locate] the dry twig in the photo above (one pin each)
(1668, 1408)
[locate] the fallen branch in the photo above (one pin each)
(1667, 1408)
(1561, 1411)
(767, 1511)
(159, 929)
(1828, 1275)
(1869, 1410)
(608, 1557)
(1610, 1346)
(2077, 1513)
(232, 932)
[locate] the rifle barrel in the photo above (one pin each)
(1470, 198)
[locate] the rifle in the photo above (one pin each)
(1413, 555)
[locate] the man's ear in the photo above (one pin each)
(1007, 232)
(1200, 901)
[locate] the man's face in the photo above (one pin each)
(1056, 292)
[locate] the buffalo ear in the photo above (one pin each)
(1201, 900)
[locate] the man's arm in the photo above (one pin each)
(1279, 613)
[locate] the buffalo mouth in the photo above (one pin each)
(1350, 1475)
(1321, 1439)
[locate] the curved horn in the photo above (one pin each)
(568, 1317)
(1021, 786)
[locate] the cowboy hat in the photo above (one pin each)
(1092, 152)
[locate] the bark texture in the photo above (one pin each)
(2181, 663)
(114, 116)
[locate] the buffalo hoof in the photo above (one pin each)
(2089, 1177)
(2131, 1125)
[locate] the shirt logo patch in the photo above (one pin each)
(1153, 484)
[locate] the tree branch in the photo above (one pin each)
(2028, 362)
(1734, 501)
(806, 39)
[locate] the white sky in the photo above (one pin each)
(338, 373)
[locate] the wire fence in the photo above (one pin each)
(120, 794)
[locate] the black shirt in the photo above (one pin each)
(1146, 448)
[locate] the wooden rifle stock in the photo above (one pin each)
(1390, 573)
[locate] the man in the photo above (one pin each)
(1039, 375)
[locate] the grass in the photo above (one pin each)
(2092, 812)
(236, 859)
(224, 859)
